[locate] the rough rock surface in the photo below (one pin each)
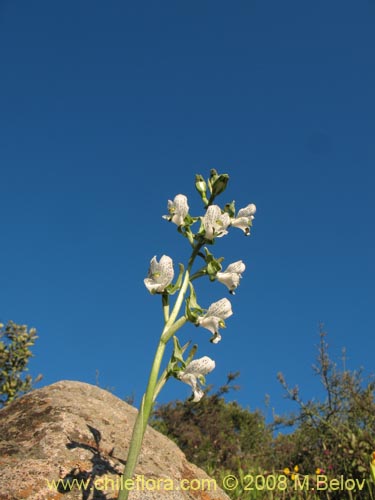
(72, 430)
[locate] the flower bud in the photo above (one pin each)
(201, 187)
(200, 184)
(220, 184)
(213, 175)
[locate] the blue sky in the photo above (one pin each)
(109, 109)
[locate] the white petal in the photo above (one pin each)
(211, 323)
(178, 219)
(248, 211)
(160, 274)
(181, 204)
(209, 220)
(200, 366)
(178, 209)
(232, 275)
(166, 267)
(193, 371)
(236, 267)
(212, 213)
(230, 280)
(241, 223)
(221, 225)
(221, 309)
(197, 395)
(216, 338)
(153, 265)
(152, 286)
(215, 223)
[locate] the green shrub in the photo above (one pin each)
(336, 435)
(215, 434)
(332, 436)
(15, 343)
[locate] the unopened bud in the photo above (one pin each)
(213, 176)
(201, 187)
(230, 209)
(219, 185)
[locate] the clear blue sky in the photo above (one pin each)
(108, 109)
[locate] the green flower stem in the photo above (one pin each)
(169, 328)
(165, 300)
(198, 274)
(168, 334)
(164, 376)
(141, 422)
(154, 386)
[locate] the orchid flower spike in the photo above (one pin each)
(178, 210)
(194, 373)
(214, 318)
(215, 222)
(244, 218)
(232, 275)
(160, 274)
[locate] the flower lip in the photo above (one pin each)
(160, 274)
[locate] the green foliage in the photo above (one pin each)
(15, 343)
(333, 436)
(336, 435)
(214, 434)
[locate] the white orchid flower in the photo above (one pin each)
(215, 222)
(214, 318)
(178, 210)
(244, 218)
(194, 373)
(160, 274)
(232, 275)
